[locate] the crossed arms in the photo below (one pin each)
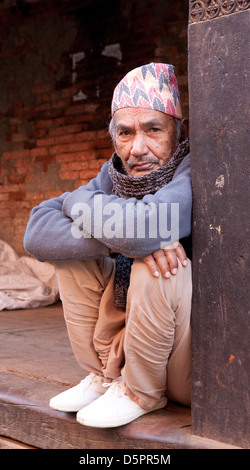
(49, 236)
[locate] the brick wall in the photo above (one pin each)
(59, 64)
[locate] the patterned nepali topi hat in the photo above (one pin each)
(151, 86)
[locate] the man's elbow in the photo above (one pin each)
(32, 247)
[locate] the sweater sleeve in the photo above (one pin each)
(135, 228)
(48, 235)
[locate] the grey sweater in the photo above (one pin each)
(80, 224)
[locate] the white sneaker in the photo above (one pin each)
(112, 409)
(74, 399)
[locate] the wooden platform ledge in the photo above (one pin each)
(37, 363)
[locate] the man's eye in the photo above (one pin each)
(122, 133)
(155, 129)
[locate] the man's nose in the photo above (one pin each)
(139, 146)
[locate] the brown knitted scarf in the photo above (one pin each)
(129, 186)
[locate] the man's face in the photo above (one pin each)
(145, 139)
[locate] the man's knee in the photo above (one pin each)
(141, 281)
(142, 278)
(145, 289)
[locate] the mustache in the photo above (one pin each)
(133, 163)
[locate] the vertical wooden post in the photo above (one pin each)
(218, 36)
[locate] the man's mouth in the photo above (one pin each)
(142, 166)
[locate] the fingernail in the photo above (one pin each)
(174, 271)
(167, 274)
(156, 274)
(185, 263)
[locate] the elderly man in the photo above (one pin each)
(124, 279)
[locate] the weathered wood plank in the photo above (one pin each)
(6, 443)
(26, 417)
(36, 363)
(219, 137)
(34, 343)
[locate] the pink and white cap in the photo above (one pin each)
(151, 86)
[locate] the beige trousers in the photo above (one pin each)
(149, 344)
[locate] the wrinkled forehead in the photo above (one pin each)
(141, 118)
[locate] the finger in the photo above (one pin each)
(172, 260)
(181, 254)
(162, 262)
(151, 264)
(179, 250)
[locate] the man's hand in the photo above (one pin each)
(166, 260)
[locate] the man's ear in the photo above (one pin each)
(114, 145)
(185, 129)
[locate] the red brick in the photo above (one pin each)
(48, 194)
(89, 135)
(44, 98)
(104, 144)
(4, 197)
(96, 164)
(4, 205)
(41, 151)
(5, 213)
(22, 206)
(15, 121)
(45, 161)
(45, 142)
(64, 93)
(16, 154)
(29, 178)
(69, 148)
(38, 133)
(83, 118)
(60, 104)
(3, 172)
(63, 121)
(18, 138)
(21, 162)
(63, 130)
(25, 169)
(44, 123)
(9, 188)
(77, 109)
(64, 139)
(83, 165)
(56, 149)
(81, 182)
(40, 89)
(88, 174)
(37, 195)
(104, 153)
(102, 134)
(75, 156)
(16, 179)
(17, 196)
(42, 107)
(76, 147)
(69, 175)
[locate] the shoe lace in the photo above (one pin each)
(115, 388)
(91, 378)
